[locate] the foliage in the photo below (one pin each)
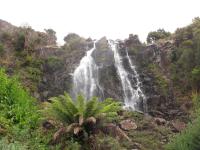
(51, 34)
(157, 35)
(34, 74)
(54, 63)
(73, 42)
(5, 145)
(196, 77)
(17, 106)
(107, 143)
(20, 42)
(70, 111)
(185, 57)
(196, 102)
(159, 78)
(188, 139)
(19, 115)
(5, 37)
(80, 116)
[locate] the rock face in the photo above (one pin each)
(108, 79)
(146, 57)
(57, 70)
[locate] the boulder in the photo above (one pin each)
(115, 131)
(160, 121)
(178, 125)
(128, 125)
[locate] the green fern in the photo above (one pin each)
(79, 115)
(68, 111)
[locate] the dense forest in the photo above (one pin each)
(38, 112)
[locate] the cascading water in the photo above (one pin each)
(132, 96)
(85, 76)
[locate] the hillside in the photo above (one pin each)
(33, 69)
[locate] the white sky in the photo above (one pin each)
(97, 18)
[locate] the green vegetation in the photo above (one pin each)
(73, 42)
(64, 123)
(157, 35)
(54, 63)
(188, 139)
(186, 57)
(80, 117)
(196, 77)
(20, 42)
(18, 113)
(160, 80)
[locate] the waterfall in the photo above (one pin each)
(85, 76)
(133, 96)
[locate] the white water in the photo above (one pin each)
(132, 97)
(85, 76)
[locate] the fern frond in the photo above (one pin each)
(91, 107)
(80, 102)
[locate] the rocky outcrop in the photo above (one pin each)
(57, 69)
(144, 56)
(108, 78)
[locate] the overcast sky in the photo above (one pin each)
(97, 18)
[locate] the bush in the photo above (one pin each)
(196, 102)
(157, 35)
(20, 42)
(188, 139)
(159, 78)
(17, 107)
(107, 143)
(196, 77)
(54, 63)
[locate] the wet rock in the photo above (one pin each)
(103, 55)
(128, 125)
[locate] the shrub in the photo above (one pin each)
(17, 107)
(20, 42)
(156, 35)
(54, 63)
(188, 139)
(107, 143)
(196, 77)
(196, 102)
(159, 78)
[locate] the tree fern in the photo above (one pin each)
(80, 104)
(91, 107)
(80, 114)
(69, 111)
